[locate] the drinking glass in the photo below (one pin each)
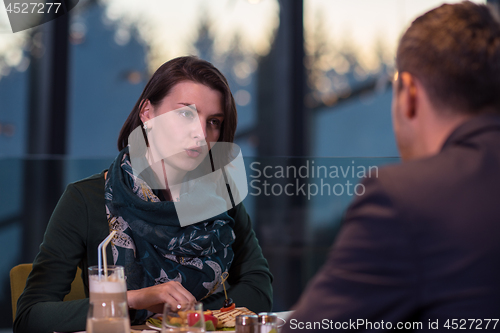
(106, 317)
(106, 287)
(183, 318)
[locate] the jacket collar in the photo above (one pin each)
(473, 127)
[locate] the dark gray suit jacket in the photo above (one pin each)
(422, 245)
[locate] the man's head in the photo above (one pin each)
(449, 70)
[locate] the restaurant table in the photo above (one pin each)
(145, 329)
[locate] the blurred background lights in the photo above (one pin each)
(242, 97)
(134, 77)
(242, 70)
(13, 57)
(77, 32)
(170, 28)
(7, 129)
(122, 36)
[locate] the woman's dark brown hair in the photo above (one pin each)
(177, 70)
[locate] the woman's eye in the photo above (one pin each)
(186, 113)
(214, 122)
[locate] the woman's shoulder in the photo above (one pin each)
(239, 214)
(96, 178)
(89, 186)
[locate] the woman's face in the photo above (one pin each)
(180, 127)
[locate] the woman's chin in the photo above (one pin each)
(189, 165)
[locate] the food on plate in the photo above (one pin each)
(228, 305)
(191, 317)
(214, 320)
(228, 308)
(210, 320)
(227, 319)
(228, 302)
(224, 319)
(227, 314)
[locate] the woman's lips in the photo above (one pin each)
(193, 152)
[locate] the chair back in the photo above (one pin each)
(19, 275)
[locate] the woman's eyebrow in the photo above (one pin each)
(189, 105)
(192, 107)
(217, 115)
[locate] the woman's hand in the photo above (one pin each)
(153, 298)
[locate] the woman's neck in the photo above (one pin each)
(173, 180)
(169, 178)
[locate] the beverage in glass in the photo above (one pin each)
(107, 286)
(108, 309)
(109, 316)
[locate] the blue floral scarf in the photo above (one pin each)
(151, 244)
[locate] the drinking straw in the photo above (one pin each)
(101, 255)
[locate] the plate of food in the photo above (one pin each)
(216, 321)
(222, 320)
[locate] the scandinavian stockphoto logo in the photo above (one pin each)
(204, 178)
(310, 178)
(26, 14)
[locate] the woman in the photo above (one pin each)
(184, 109)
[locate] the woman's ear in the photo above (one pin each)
(146, 112)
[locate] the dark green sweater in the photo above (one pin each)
(77, 226)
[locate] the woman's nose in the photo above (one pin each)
(199, 130)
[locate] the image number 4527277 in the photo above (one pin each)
(33, 7)
(31, 13)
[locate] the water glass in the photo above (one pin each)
(183, 318)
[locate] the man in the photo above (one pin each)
(420, 250)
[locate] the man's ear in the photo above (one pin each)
(409, 93)
(146, 112)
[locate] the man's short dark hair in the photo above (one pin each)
(454, 50)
